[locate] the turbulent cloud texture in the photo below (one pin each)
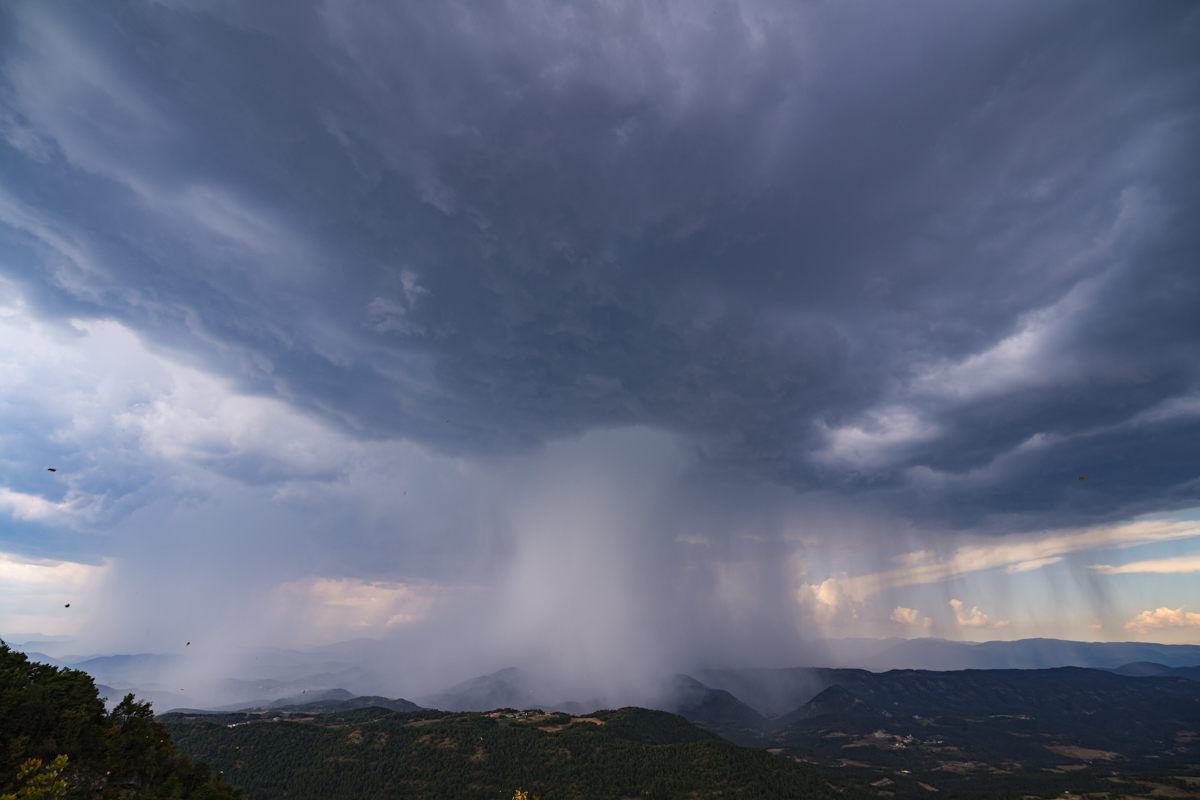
(712, 321)
(954, 256)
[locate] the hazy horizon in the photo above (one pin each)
(365, 667)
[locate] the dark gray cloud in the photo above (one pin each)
(938, 255)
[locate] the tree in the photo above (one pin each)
(55, 713)
(40, 783)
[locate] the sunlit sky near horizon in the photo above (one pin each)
(604, 331)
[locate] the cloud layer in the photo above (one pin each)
(518, 223)
(1159, 618)
(713, 322)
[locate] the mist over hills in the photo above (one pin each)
(693, 700)
(143, 666)
(757, 706)
(359, 669)
(508, 688)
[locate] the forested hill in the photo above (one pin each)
(47, 711)
(372, 752)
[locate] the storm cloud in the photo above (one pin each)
(903, 271)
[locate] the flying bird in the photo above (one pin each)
(68, 605)
(51, 469)
(189, 644)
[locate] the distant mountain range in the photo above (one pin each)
(880, 655)
(1032, 692)
(745, 705)
(769, 692)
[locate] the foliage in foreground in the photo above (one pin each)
(55, 715)
(40, 783)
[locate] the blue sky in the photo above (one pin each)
(572, 329)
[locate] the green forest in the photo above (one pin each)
(631, 752)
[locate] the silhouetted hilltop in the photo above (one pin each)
(646, 726)
(1147, 669)
(329, 706)
(712, 709)
(836, 699)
